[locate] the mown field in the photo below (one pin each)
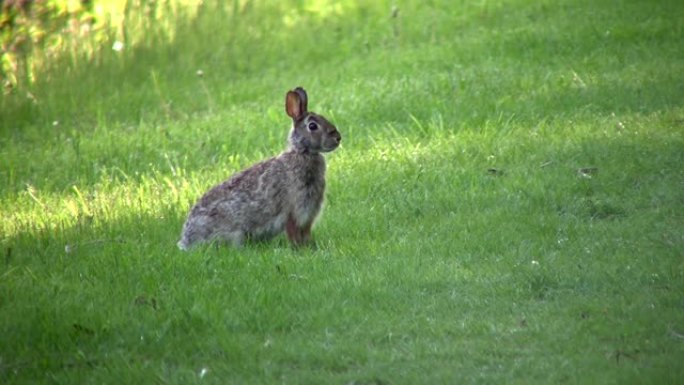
(507, 205)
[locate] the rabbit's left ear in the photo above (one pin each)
(296, 103)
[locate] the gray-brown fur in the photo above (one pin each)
(284, 193)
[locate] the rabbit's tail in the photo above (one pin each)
(188, 238)
(183, 244)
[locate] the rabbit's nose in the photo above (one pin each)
(337, 137)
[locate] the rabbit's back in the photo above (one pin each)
(257, 203)
(249, 204)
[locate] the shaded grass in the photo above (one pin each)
(461, 240)
(392, 293)
(468, 81)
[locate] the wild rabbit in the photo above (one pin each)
(280, 193)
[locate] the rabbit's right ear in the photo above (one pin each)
(295, 103)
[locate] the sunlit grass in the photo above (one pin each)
(506, 205)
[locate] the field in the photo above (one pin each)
(507, 205)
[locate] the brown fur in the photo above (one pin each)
(281, 193)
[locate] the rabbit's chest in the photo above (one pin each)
(308, 198)
(308, 202)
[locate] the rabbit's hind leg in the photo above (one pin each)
(236, 238)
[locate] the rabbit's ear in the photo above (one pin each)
(295, 103)
(303, 99)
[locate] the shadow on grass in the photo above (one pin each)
(77, 280)
(119, 289)
(134, 92)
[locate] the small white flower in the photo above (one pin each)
(203, 372)
(535, 263)
(118, 46)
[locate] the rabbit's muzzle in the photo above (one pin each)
(332, 141)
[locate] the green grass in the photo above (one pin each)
(460, 243)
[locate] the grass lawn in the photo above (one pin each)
(507, 205)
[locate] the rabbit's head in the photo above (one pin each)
(310, 132)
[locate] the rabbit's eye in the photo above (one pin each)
(313, 126)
